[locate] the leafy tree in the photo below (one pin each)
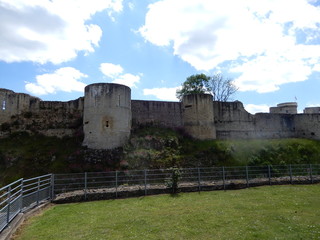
(194, 84)
(220, 87)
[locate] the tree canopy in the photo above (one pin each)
(220, 87)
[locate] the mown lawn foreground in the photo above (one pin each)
(271, 212)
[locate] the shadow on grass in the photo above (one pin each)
(175, 195)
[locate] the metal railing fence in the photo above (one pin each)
(200, 178)
(22, 195)
(27, 193)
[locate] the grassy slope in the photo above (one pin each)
(281, 212)
(23, 155)
(160, 148)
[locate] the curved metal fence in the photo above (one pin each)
(24, 194)
(210, 178)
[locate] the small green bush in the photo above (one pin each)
(173, 182)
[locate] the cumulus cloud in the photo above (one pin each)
(264, 43)
(65, 79)
(254, 108)
(50, 30)
(167, 94)
(116, 73)
(111, 70)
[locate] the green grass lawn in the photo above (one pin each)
(276, 212)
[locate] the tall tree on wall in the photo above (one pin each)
(195, 84)
(220, 87)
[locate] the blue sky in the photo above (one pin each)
(52, 49)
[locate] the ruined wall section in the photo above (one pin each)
(22, 112)
(15, 103)
(156, 113)
(234, 122)
(59, 118)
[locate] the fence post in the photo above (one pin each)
(247, 176)
(52, 186)
(145, 182)
(224, 178)
(38, 189)
(311, 177)
(85, 186)
(269, 174)
(21, 195)
(116, 184)
(199, 179)
(290, 172)
(8, 204)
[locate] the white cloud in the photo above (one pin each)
(316, 68)
(131, 5)
(253, 108)
(266, 43)
(267, 73)
(50, 30)
(115, 73)
(110, 70)
(65, 79)
(168, 94)
(127, 79)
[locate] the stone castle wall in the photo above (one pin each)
(167, 114)
(22, 112)
(307, 126)
(107, 115)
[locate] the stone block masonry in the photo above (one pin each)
(107, 114)
(22, 112)
(198, 116)
(158, 113)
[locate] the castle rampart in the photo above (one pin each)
(106, 113)
(159, 113)
(22, 112)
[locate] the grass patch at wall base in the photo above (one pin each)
(273, 212)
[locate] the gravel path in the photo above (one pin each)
(124, 191)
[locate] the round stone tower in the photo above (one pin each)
(198, 117)
(106, 116)
(285, 108)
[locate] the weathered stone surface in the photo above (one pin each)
(198, 116)
(107, 116)
(159, 113)
(106, 112)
